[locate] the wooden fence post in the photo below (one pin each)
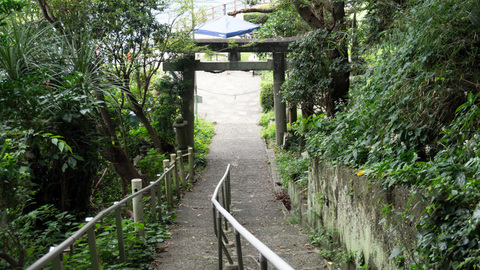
(138, 204)
(168, 185)
(182, 169)
(191, 177)
(121, 245)
(153, 202)
(159, 200)
(173, 161)
(92, 243)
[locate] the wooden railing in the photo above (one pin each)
(174, 178)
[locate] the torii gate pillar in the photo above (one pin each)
(188, 110)
(279, 46)
(280, 107)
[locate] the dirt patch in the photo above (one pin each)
(283, 197)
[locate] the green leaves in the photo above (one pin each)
(396, 252)
(310, 78)
(284, 21)
(413, 120)
(61, 144)
(8, 7)
(139, 254)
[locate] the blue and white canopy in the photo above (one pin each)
(226, 27)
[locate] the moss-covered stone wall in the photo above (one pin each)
(367, 217)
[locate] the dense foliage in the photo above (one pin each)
(414, 119)
(266, 96)
(310, 80)
(48, 131)
(283, 22)
(82, 101)
(413, 115)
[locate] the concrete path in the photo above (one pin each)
(231, 100)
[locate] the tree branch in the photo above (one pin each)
(48, 15)
(250, 10)
(10, 260)
(308, 16)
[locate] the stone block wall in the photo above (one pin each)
(356, 208)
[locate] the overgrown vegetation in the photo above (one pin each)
(139, 254)
(84, 109)
(27, 237)
(204, 132)
(293, 168)
(413, 120)
(330, 247)
(412, 117)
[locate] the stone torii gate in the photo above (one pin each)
(277, 46)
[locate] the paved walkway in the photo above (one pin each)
(231, 100)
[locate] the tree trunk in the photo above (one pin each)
(341, 80)
(11, 261)
(115, 153)
(137, 109)
(314, 16)
(307, 110)
(251, 10)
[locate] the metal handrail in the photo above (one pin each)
(54, 256)
(265, 252)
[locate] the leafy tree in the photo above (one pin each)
(46, 103)
(379, 17)
(310, 80)
(132, 38)
(283, 21)
(134, 44)
(323, 15)
(7, 7)
(330, 17)
(413, 120)
(48, 128)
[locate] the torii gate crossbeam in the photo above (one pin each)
(277, 46)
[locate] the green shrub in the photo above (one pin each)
(267, 96)
(166, 106)
(292, 167)
(266, 118)
(413, 120)
(152, 163)
(139, 254)
(35, 232)
(268, 133)
(204, 132)
(268, 126)
(256, 18)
